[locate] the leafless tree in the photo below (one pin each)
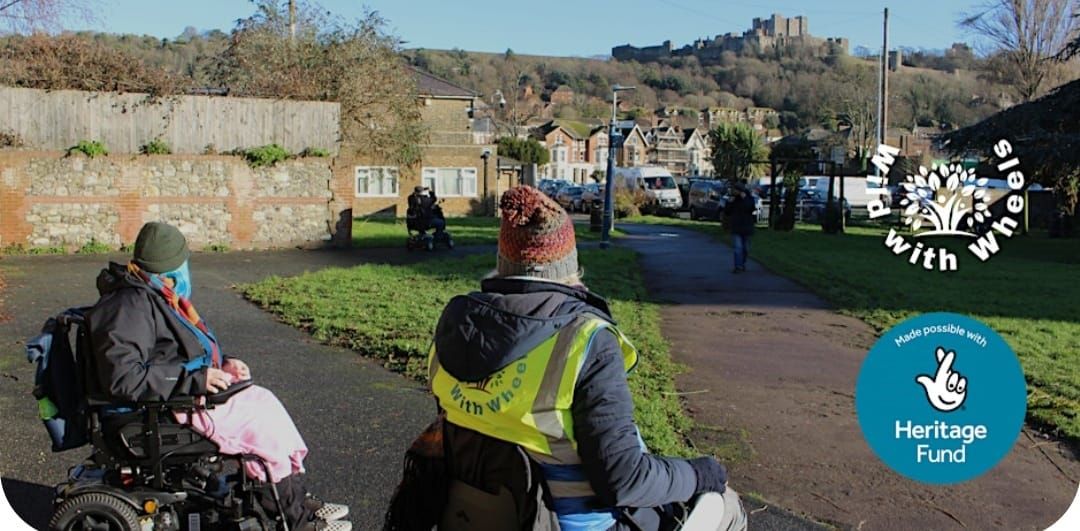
(28, 16)
(354, 63)
(1026, 35)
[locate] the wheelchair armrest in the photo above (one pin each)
(183, 402)
(222, 396)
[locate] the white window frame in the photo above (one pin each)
(466, 175)
(394, 177)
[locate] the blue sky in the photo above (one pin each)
(575, 27)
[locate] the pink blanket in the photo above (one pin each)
(254, 422)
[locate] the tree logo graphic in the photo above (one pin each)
(949, 201)
(944, 198)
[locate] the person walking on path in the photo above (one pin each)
(535, 336)
(741, 218)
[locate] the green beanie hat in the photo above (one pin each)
(160, 247)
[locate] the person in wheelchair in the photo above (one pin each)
(422, 211)
(149, 344)
(532, 369)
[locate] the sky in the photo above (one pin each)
(570, 27)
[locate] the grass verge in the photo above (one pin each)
(1029, 293)
(390, 232)
(389, 313)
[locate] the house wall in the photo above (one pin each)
(450, 144)
(460, 156)
(48, 199)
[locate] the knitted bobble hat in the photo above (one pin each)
(536, 237)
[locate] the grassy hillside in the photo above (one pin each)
(805, 88)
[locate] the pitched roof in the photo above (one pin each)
(575, 128)
(687, 133)
(428, 84)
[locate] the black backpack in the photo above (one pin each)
(58, 382)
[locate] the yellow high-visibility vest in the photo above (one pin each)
(528, 402)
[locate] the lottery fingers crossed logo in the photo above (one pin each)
(946, 390)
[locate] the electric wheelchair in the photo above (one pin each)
(147, 472)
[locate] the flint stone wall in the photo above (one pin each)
(48, 199)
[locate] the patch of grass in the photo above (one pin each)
(314, 152)
(470, 230)
(1029, 293)
(156, 146)
(389, 313)
(216, 248)
(20, 249)
(90, 148)
(94, 247)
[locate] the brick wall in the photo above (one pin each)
(47, 199)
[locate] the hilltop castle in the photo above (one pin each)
(766, 35)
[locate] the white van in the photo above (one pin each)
(657, 183)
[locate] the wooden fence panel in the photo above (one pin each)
(57, 120)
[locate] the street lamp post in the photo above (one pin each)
(609, 188)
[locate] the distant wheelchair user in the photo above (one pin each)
(181, 438)
(425, 214)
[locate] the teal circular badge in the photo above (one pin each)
(941, 398)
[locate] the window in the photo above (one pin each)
(376, 181)
(450, 182)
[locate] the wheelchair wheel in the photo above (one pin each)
(95, 512)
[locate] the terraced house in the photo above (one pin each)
(453, 162)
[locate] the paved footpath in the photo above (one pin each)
(356, 417)
(773, 369)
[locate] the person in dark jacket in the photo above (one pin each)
(741, 212)
(150, 344)
(535, 359)
(423, 201)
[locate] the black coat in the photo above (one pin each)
(482, 332)
(138, 343)
(741, 215)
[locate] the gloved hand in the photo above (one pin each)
(711, 475)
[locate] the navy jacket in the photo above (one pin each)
(741, 212)
(482, 332)
(139, 345)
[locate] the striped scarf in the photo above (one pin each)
(185, 312)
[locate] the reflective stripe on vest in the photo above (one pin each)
(528, 402)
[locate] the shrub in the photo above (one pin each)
(267, 155)
(10, 139)
(156, 146)
(629, 204)
(314, 152)
(90, 148)
(210, 149)
(216, 248)
(94, 247)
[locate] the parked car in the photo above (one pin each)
(707, 199)
(592, 197)
(812, 203)
(550, 187)
(570, 197)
